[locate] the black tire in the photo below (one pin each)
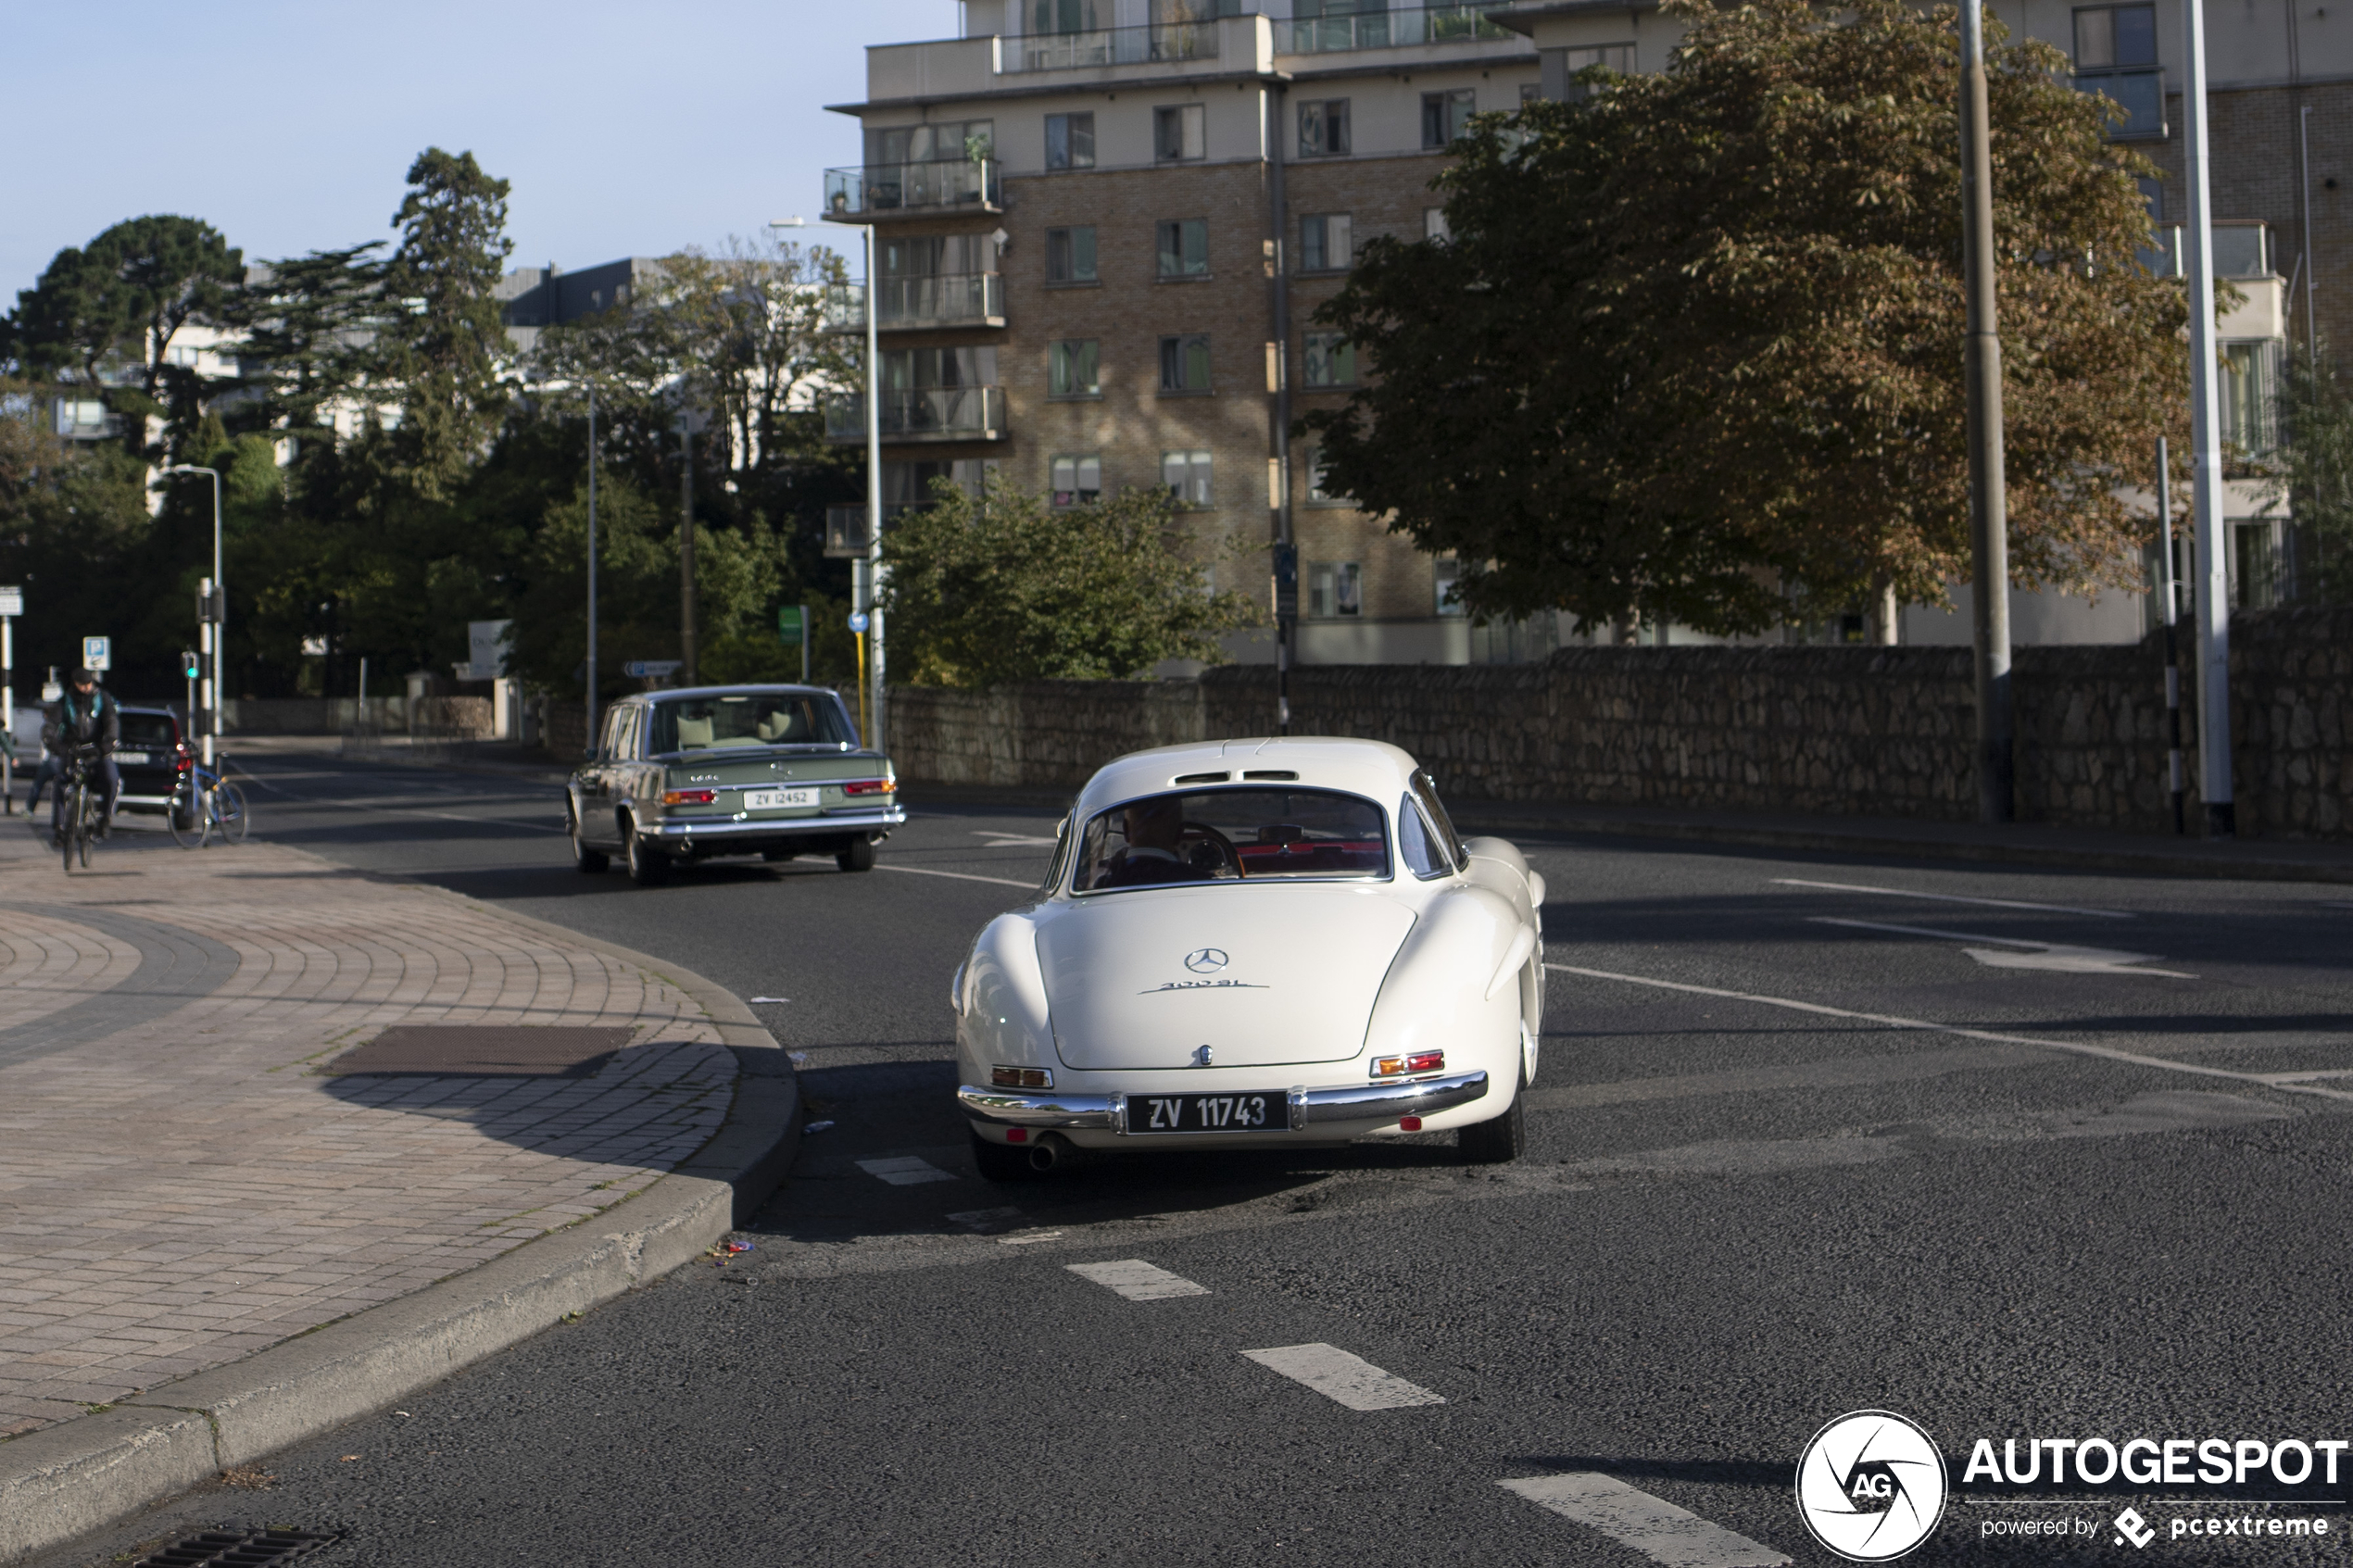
(648, 867)
(229, 812)
(1498, 1141)
(187, 825)
(584, 859)
(858, 855)
(1003, 1162)
(70, 820)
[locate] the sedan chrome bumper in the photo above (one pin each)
(1108, 1113)
(672, 828)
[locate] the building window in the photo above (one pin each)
(1444, 575)
(1071, 368)
(1070, 141)
(1327, 242)
(1078, 478)
(939, 141)
(1335, 588)
(1319, 486)
(1186, 476)
(1445, 114)
(1070, 255)
(1180, 133)
(1323, 128)
(1434, 225)
(1330, 361)
(2116, 55)
(2247, 393)
(1184, 247)
(1184, 363)
(1064, 15)
(1558, 70)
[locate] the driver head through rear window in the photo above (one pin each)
(1232, 835)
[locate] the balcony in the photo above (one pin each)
(1165, 44)
(948, 299)
(929, 413)
(1391, 29)
(846, 528)
(2140, 92)
(884, 191)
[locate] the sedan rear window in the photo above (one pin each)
(751, 719)
(1232, 835)
(149, 732)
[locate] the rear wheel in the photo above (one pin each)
(70, 822)
(1496, 1142)
(858, 856)
(229, 812)
(1002, 1161)
(648, 867)
(186, 821)
(583, 859)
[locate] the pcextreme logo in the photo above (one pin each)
(1870, 1486)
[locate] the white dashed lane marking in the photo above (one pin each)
(987, 1220)
(1651, 1525)
(905, 1171)
(1350, 1380)
(1137, 1280)
(1951, 898)
(958, 877)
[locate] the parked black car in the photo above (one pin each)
(150, 759)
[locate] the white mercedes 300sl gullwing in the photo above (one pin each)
(1254, 944)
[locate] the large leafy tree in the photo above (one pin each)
(310, 326)
(2315, 474)
(1001, 587)
(441, 340)
(1693, 349)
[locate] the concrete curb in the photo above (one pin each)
(64, 1481)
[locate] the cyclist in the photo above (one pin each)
(85, 716)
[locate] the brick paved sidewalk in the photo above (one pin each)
(181, 1184)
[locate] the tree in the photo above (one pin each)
(1000, 587)
(1693, 349)
(309, 327)
(2316, 475)
(442, 340)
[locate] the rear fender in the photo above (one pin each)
(1001, 1017)
(1436, 994)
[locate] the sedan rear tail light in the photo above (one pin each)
(871, 786)
(1020, 1078)
(688, 796)
(1401, 1066)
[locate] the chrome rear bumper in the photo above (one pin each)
(1108, 1113)
(671, 828)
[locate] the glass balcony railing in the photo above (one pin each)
(2241, 249)
(947, 299)
(1388, 29)
(954, 184)
(929, 413)
(1110, 46)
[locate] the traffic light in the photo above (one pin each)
(188, 665)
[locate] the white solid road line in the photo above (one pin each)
(2057, 956)
(1952, 898)
(1651, 1525)
(1350, 1380)
(1137, 1280)
(383, 806)
(905, 1171)
(2284, 1082)
(1012, 840)
(960, 876)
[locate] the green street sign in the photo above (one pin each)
(790, 625)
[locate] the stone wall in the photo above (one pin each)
(1877, 732)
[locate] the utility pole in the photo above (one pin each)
(686, 671)
(2212, 599)
(212, 613)
(874, 575)
(2172, 613)
(591, 731)
(1286, 550)
(1988, 501)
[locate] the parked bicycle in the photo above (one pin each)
(205, 805)
(81, 805)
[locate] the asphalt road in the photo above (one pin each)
(2015, 1154)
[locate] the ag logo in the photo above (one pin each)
(1205, 960)
(1870, 1486)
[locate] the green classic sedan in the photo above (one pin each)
(769, 771)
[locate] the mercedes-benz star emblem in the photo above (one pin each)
(1205, 960)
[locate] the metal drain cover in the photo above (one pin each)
(235, 1548)
(484, 1050)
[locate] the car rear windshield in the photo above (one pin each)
(1232, 835)
(149, 732)
(750, 719)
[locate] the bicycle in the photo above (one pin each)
(83, 814)
(204, 804)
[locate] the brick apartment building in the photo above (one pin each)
(1103, 227)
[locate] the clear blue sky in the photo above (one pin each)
(626, 128)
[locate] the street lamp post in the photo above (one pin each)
(214, 629)
(875, 577)
(1988, 498)
(591, 731)
(2211, 602)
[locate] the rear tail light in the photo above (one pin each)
(1401, 1066)
(1020, 1078)
(1409, 1123)
(871, 786)
(688, 796)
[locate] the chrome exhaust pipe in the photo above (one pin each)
(1052, 1152)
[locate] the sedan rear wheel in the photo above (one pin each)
(857, 856)
(648, 867)
(1499, 1141)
